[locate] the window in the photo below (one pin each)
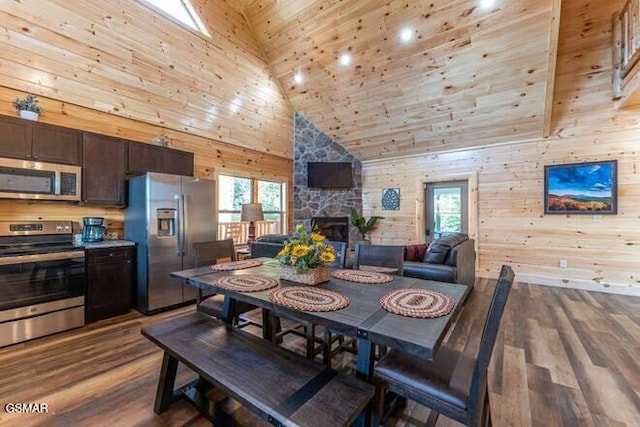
(233, 192)
(446, 208)
(182, 11)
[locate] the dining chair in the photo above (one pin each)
(214, 252)
(386, 256)
(454, 384)
(341, 253)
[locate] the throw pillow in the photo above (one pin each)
(436, 254)
(414, 252)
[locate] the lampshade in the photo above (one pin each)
(252, 212)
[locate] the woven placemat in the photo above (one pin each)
(309, 299)
(246, 283)
(236, 265)
(417, 303)
(361, 276)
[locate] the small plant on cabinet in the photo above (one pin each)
(28, 107)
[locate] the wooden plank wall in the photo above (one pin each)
(95, 70)
(511, 225)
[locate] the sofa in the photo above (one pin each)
(451, 258)
(268, 245)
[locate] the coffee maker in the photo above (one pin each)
(92, 230)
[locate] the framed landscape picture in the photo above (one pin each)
(581, 188)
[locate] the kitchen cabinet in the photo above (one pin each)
(110, 276)
(103, 170)
(15, 137)
(42, 142)
(152, 158)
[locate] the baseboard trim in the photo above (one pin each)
(610, 288)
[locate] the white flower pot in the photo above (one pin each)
(29, 115)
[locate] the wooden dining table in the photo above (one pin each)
(363, 319)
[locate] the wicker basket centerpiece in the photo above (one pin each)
(305, 258)
(312, 276)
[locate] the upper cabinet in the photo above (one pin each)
(103, 169)
(105, 160)
(24, 139)
(152, 158)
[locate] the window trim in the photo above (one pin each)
(200, 27)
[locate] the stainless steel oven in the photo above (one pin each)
(42, 280)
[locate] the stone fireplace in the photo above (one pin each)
(331, 205)
(333, 228)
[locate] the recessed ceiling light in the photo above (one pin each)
(406, 34)
(486, 4)
(345, 59)
(298, 78)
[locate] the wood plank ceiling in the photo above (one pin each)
(469, 76)
(126, 59)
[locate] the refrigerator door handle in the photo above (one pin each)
(185, 222)
(179, 228)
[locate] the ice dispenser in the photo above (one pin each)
(166, 222)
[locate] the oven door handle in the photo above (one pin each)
(51, 256)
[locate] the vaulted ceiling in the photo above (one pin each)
(468, 76)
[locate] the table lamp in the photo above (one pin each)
(251, 212)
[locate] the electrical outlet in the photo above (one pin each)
(563, 263)
(597, 218)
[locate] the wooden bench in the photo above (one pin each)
(280, 386)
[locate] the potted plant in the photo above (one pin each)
(363, 225)
(28, 107)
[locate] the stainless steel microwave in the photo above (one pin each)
(24, 179)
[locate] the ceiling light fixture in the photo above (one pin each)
(345, 59)
(406, 34)
(486, 4)
(298, 78)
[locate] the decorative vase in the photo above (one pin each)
(313, 276)
(29, 115)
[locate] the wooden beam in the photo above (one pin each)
(616, 54)
(551, 66)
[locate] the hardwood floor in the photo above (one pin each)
(563, 358)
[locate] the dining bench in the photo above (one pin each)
(279, 385)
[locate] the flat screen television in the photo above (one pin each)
(329, 175)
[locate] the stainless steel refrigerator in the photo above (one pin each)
(165, 215)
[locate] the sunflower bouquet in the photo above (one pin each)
(306, 250)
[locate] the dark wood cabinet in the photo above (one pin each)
(177, 162)
(103, 169)
(110, 275)
(42, 142)
(152, 158)
(15, 137)
(56, 144)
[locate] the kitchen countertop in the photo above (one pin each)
(105, 244)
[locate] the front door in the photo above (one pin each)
(446, 208)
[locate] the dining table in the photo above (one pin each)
(363, 318)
